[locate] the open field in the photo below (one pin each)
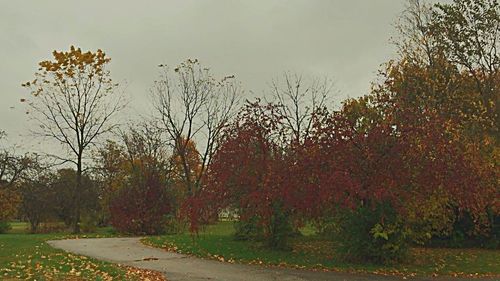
(312, 252)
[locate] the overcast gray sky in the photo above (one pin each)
(345, 40)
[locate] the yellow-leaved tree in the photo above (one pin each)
(74, 101)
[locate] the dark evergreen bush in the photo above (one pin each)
(371, 234)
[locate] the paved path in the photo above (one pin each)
(178, 267)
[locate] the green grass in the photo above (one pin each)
(27, 257)
(18, 227)
(311, 252)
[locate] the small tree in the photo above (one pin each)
(142, 205)
(38, 198)
(73, 101)
(246, 173)
(110, 173)
(142, 199)
(12, 167)
(62, 196)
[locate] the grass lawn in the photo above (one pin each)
(310, 252)
(27, 257)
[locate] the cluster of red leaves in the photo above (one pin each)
(400, 159)
(243, 172)
(140, 207)
(404, 156)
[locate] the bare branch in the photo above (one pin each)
(193, 108)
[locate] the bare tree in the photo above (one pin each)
(297, 98)
(416, 40)
(12, 165)
(144, 142)
(194, 108)
(73, 102)
(37, 195)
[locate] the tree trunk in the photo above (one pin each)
(77, 196)
(34, 226)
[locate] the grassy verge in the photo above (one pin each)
(27, 257)
(311, 252)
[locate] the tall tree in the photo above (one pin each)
(469, 33)
(458, 44)
(440, 96)
(73, 102)
(180, 189)
(415, 40)
(194, 107)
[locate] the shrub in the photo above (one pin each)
(89, 223)
(37, 204)
(141, 207)
(464, 235)
(9, 203)
(174, 224)
(279, 229)
(248, 229)
(4, 227)
(326, 226)
(274, 232)
(372, 234)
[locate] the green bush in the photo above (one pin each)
(89, 223)
(275, 232)
(4, 227)
(248, 229)
(280, 229)
(326, 226)
(463, 234)
(372, 234)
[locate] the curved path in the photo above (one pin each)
(178, 267)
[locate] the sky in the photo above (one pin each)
(344, 40)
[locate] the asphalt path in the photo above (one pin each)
(179, 267)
